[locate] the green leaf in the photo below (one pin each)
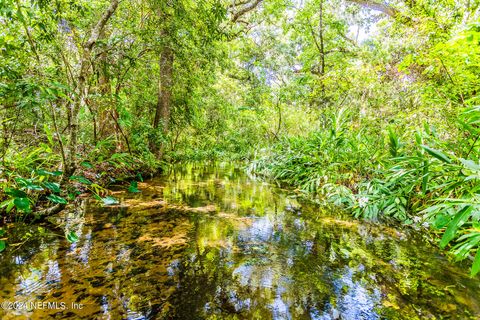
(34, 187)
(476, 264)
(6, 203)
(15, 193)
(459, 219)
(73, 195)
(72, 237)
(108, 201)
(42, 172)
(55, 187)
(133, 187)
(81, 179)
(22, 181)
(394, 142)
(2, 232)
(87, 164)
(425, 177)
(441, 221)
(3, 245)
(469, 164)
(27, 183)
(10, 205)
(22, 204)
(56, 199)
(49, 134)
(437, 154)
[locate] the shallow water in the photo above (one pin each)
(208, 242)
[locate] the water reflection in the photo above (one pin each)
(208, 242)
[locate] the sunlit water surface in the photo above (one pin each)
(209, 242)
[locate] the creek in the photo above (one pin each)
(207, 241)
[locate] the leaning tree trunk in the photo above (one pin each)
(84, 72)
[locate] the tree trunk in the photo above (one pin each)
(107, 112)
(322, 42)
(106, 127)
(164, 102)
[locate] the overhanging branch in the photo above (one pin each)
(377, 6)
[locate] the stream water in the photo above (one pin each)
(209, 242)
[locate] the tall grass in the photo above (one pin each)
(321, 158)
(425, 182)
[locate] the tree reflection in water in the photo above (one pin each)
(209, 242)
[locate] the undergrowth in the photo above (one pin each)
(420, 179)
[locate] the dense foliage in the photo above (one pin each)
(371, 105)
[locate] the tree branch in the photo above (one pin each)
(97, 30)
(377, 6)
(238, 3)
(246, 9)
